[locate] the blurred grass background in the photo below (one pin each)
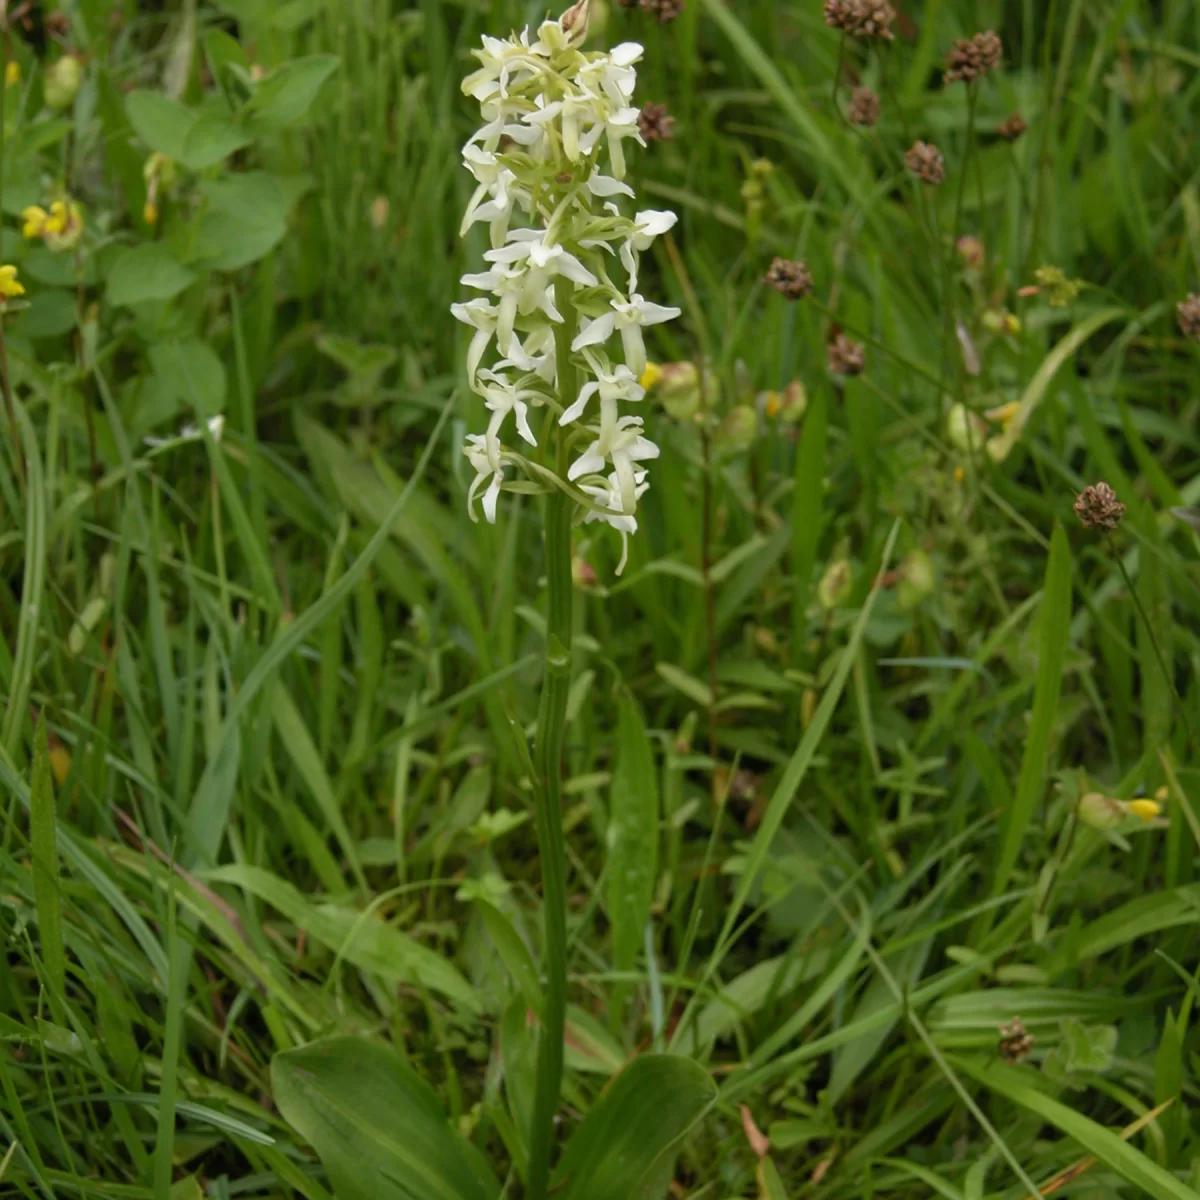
(904, 660)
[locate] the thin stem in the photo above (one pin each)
(1158, 654)
(710, 620)
(10, 407)
(548, 750)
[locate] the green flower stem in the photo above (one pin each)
(552, 719)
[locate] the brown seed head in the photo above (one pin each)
(1015, 1042)
(790, 279)
(864, 107)
(846, 357)
(972, 57)
(925, 161)
(867, 19)
(664, 10)
(655, 124)
(1097, 507)
(1012, 127)
(1188, 312)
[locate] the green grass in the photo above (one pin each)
(257, 694)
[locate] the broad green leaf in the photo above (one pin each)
(376, 1125)
(43, 841)
(190, 373)
(630, 1134)
(58, 270)
(51, 313)
(289, 91)
(632, 834)
(162, 123)
(213, 137)
(1053, 637)
(1119, 1156)
(361, 938)
(247, 219)
(147, 272)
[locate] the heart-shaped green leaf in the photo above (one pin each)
(377, 1126)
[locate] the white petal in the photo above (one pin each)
(490, 497)
(606, 185)
(655, 314)
(520, 410)
(596, 332)
(588, 463)
(575, 271)
(625, 54)
(575, 411)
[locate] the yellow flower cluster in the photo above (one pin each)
(10, 285)
(60, 228)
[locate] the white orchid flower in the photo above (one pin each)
(628, 317)
(623, 445)
(608, 496)
(550, 203)
(611, 384)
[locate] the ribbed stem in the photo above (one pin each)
(552, 718)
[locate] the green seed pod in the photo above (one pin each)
(61, 84)
(736, 433)
(1100, 812)
(678, 388)
(835, 583)
(917, 579)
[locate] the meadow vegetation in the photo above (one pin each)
(880, 790)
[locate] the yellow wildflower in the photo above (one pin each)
(60, 762)
(35, 221)
(10, 285)
(60, 228)
(1005, 414)
(12, 73)
(773, 403)
(651, 375)
(1147, 810)
(959, 474)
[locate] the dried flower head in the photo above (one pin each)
(925, 161)
(1015, 1042)
(1012, 127)
(970, 250)
(972, 57)
(1188, 312)
(1097, 507)
(864, 107)
(846, 357)
(789, 278)
(664, 10)
(656, 124)
(868, 19)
